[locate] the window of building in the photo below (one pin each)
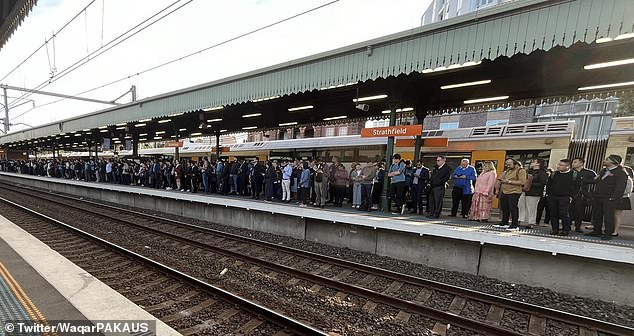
(448, 125)
(330, 131)
(377, 123)
(497, 122)
(343, 130)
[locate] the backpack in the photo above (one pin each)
(529, 182)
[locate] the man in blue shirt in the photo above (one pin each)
(287, 171)
(464, 177)
(397, 183)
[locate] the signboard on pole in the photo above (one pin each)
(392, 131)
(174, 144)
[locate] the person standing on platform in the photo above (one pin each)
(482, 200)
(356, 177)
(419, 183)
(341, 181)
(178, 173)
(462, 193)
(257, 177)
(269, 182)
(243, 177)
(321, 184)
(610, 187)
(584, 178)
(625, 205)
(529, 200)
(438, 181)
(368, 173)
(287, 172)
(377, 185)
(397, 184)
(109, 176)
(510, 189)
(205, 175)
(304, 185)
(220, 167)
(560, 188)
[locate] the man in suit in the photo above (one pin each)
(420, 181)
(611, 182)
(438, 181)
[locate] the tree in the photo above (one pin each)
(626, 105)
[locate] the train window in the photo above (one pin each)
(448, 125)
(497, 122)
(348, 155)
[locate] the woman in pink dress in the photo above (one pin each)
(482, 201)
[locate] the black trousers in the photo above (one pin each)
(542, 207)
(340, 193)
(578, 210)
(397, 194)
(304, 195)
(459, 198)
(603, 213)
(437, 196)
(508, 206)
(366, 196)
(418, 191)
(559, 210)
(257, 187)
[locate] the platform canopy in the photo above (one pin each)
(12, 13)
(523, 49)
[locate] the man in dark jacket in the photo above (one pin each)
(257, 177)
(611, 182)
(419, 182)
(559, 189)
(584, 178)
(438, 181)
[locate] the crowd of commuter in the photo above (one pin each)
(564, 195)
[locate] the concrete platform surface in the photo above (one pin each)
(538, 239)
(41, 284)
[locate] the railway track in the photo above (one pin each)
(189, 305)
(463, 308)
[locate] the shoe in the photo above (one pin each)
(513, 228)
(578, 230)
(501, 226)
(451, 216)
(563, 233)
(606, 237)
(593, 234)
(554, 233)
(322, 206)
(395, 213)
(484, 221)
(403, 209)
(615, 235)
(464, 216)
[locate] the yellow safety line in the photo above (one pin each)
(24, 299)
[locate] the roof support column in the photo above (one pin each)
(135, 145)
(421, 113)
(217, 145)
(6, 112)
(385, 202)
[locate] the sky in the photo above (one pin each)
(199, 24)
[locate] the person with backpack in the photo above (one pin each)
(532, 191)
(509, 189)
(560, 189)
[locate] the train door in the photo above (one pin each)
(497, 157)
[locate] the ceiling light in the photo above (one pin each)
(454, 86)
(249, 127)
(164, 121)
(142, 139)
(102, 127)
(143, 134)
(335, 118)
(609, 64)
(263, 99)
(195, 134)
(139, 125)
(482, 100)
(176, 114)
(222, 131)
(66, 136)
(144, 120)
(158, 138)
(121, 128)
(337, 86)
(121, 124)
(603, 39)
(78, 134)
(127, 137)
(182, 129)
(214, 120)
(288, 123)
(405, 109)
(103, 131)
(215, 108)
(62, 134)
(87, 130)
(624, 36)
(362, 99)
(604, 86)
(307, 107)
(251, 115)
(160, 132)
(173, 136)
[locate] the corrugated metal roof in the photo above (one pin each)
(517, 27)
(11, 17)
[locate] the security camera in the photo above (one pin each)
(363, 107)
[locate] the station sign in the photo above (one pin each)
(174, 144)
(392, 131)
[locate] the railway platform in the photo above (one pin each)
(38, 285)
(532, 257)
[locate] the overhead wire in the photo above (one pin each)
(46, 41)
(108, 46)
(186, 56)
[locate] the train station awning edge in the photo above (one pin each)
(13, 20)
(519, 27)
